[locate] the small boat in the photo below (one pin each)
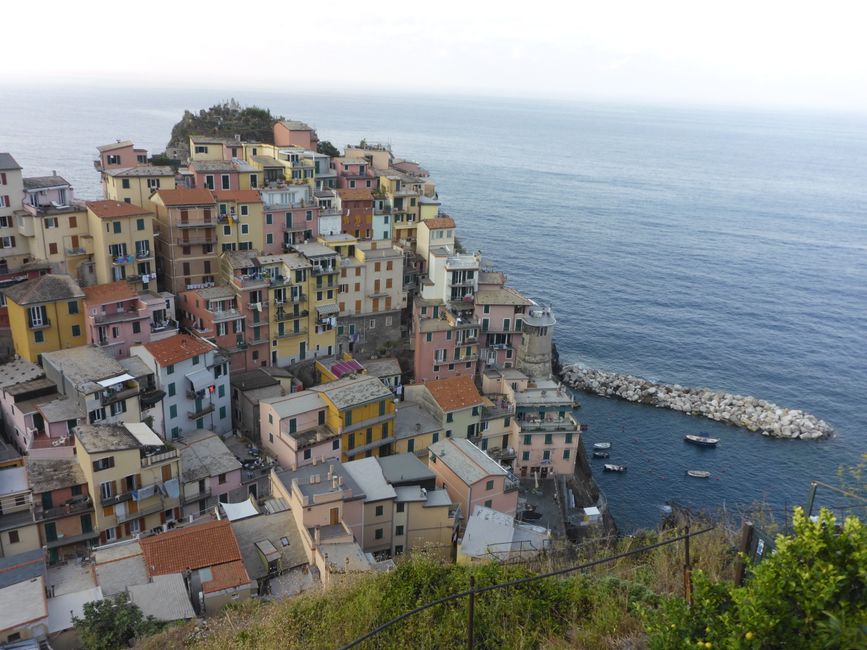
(601, 454)
(614, 468)
(702, 441)
(601, 445)
(698, 473)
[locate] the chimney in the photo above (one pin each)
(317, 535)
(54, 172)
(334, 483)
(330, 471)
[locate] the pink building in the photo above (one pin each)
(118, 317)
(119, 155)
(446, 339)
(294, 431)
(471, 477)
(211, 473)
(499, 311)
(293, 133)
(354, 173)
(214, 174)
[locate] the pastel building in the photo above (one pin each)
(133, 474)
(63, 508)
(377, 529)
(500, 311)
(123, 242)
(210, 473)
(18, 530)
(294, 429)
(187, 223)
(241, 219)
(194, 378)
(454, 402)
(54, 225)
(219, 315)
(295, 133)
(135, 185)
(45, 314)
(118, 317)
(119, 155)
(471, 477)
(356, 211)
(14, 250)
(294, 216)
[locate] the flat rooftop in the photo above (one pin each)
(84, 366)
(53, 474)
(313, 480)
(405, 468)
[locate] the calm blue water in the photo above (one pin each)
(710, 248)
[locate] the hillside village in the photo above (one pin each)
(264, 370)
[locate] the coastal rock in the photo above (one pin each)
(740, 410)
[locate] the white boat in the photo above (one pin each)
(614, 468)
(698, 473)
(601, 445)
(702, 441)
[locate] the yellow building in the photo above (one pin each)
(45, 314)
(133, 475)
(123, 242)
(362, 410)
(241, 217)
(204, 147)
(136, 184)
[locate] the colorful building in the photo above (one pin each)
(45, 314)
(18, 530)
(356, 211)
(137, 184)
(123, 243)
(119, 155)
(210, 473)
(14, 249)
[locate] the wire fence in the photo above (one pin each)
(473, 591)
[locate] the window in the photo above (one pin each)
(399, 507)
(72, 305)
(568, 438)
(13, 537)
(116, 226)
(528, 439)
(245, 229)
(111, 534)
(117, 408)
(525, 455)
(546, 455)
(196, 360)
(227, 230)
(136, 327)
(76, 330)
(335, 444)
(436, 436)
(38, 337)
(103, 463)
(489, 485)
(398, 530)
(489, 503)
(225, 181)
(410, 445)
(52, 249)
(173, 411)
(222, 412)
(379, 511)
(245, 210)
(377, 534)
(170, 370)
(566, 454)
(139, 224)
(172, 389)
(549, 438)
(307, 454)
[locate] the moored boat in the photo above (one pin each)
(601, 454)
(698, 473)
(613, 468)
(702, 441)
(601, 445)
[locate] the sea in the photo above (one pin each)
(711, 247)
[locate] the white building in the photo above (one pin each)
(195, 379)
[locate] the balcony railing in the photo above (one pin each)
(198, 223)
(559, 424)
(263, 305)
(155, 459)
(41, 324)
(284, 316)
(143, 254)
(76, 507)
(159, 506)
(109, 397)
(75, 250)
(163, 326)
(226, 314)
(286, 335)
(195, 240)
(204, 410)
(198, 496)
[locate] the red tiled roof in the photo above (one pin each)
(355, 194)
(454, 393)
(186, 196)
(439, 222)
(114, 209)
(241, 196)
(205, 545)
(177, 348)
(99, 294)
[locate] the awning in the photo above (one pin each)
(201, 379)
(328, 309)
(105, 383)
(242, 510)
(144, 434)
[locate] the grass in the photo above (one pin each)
(594, 609)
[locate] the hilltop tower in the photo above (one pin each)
(534, 353)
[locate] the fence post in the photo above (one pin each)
(471, 615)
(743, 547)
(687, 577)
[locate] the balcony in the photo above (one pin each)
(502, 454)
(110, 396)
(284, 316)
(161, 457)
(153, 509)
(198, 496)
(66, 540)
(151, 397)
(115, 499)
(498, 410)
(290, 334)
(511, 485)
(203, 411)
(75, 250)
(143, 254)
(163, 326)
(75, 506)
(195, 239)
(262, 305)
(567, 424)
(122, 260)
(198, 223)
(318, 270)
(257, 340)
(41, 324)
(117, 316)
(226, 314)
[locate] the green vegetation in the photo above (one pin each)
(810, 593)
(328, 149)
(225, 120)
(112, 623)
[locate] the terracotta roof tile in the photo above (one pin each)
(454, 393)
(356, 194)
(439, 222)
(241, 196)
(212, 544)
(114, 209)
(186, 196)
(100, 294)
(177, 348)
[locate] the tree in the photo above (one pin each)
(810, 593)
(328, 149)
(109, 624)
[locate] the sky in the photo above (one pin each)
(758, 53)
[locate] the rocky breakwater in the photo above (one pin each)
(747, 412)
